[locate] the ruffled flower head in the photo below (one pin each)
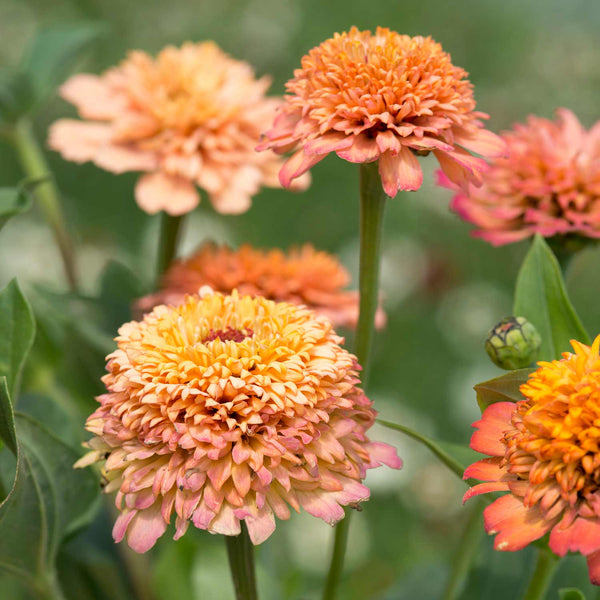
(545, 452)
(385, 97)
(191, 116)
(230, 408)
(302, 276)
(549, 184)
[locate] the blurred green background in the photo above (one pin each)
(443, 290)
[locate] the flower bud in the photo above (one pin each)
(513, 343)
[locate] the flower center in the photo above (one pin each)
(229, 334)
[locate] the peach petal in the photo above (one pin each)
(400, 172)
(93, 98)
(78, 141)
(362, 150)
(481, 141)
(297, 165)
(485, 488)
(225, 523)
(321, 505)
(156, 191)
(329, 142)
(120, 159)
(384, 454)
(121, 524)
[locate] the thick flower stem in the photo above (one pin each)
(35, 166)
(545, 566)
(170, 229)
(241, 563)
(372, 205)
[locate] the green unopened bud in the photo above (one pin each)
(513, 344)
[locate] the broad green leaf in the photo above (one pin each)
(49, 500)
(502, 389)
(540, 296)
(16, 96)
(12, 202)
(570, 594)
(17, 330)
(54, 52)
(455, 457)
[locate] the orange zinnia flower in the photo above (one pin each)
(549, 184)
(385, 97)
(303, 276)
(192, 116)
(230, 408)
(545, 451)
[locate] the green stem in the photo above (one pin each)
(241, 563)
(48, 587)
(372, 206)
(170, 230)
(35, 166)
(545, 566)
(465, 553)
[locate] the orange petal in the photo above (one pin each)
(156, 191)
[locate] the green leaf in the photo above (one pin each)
(502, 389)
(54, 53)
(570, 594)
(12, 202)
(455, 457)
(16, 96)
(49, 500)
(540, 296)
(17, 330)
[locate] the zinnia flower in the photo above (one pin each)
(549, 184)
(545, 452)
(230, 408)
(302, 276)
(192, 116)
(385, 97)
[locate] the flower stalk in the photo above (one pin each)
(541, 577)
(170, 233)
(372, 207)
(240, 552)
(35, 166)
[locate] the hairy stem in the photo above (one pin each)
(372, 205)
(35, 166)
(241, 563)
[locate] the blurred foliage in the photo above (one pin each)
(443, 289)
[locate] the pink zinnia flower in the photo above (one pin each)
(545, 452)
(191, 116)
(230, 408)
(302, 276)
(385, 97)
(549, 184)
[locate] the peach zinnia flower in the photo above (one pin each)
(192, 116)
(385, 97)
(545, 452)
(302, 276)
(230, 408)
(549, 184)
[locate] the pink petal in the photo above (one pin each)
(516, 524)
(495, 421)
(573, 129)
(121, 524)
(461, 168)
(481, 141)
(488, 469)
(145, 528)
(581, 535)
(92, 96)
(593, 562)
(225, 522)
(261, 526)
(296, 165)
(383, 454)
(363, 150)
(400, 172)
(500, 238)
(156, 191)
(321, 505)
